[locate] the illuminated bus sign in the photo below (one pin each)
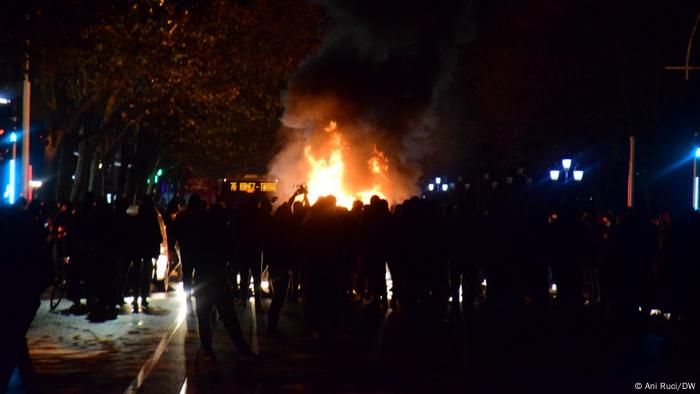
(268, 187)
(248, 187)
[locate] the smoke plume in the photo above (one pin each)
(379, 75)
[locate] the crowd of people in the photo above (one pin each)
(440, 257)
(97, 245)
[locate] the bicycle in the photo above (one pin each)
(60, 284)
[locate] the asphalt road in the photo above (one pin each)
(374, 352)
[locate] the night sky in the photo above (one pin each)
(542, 79)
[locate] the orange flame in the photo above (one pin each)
(328, 175)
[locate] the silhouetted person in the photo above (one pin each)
(185, 232)
(248, 234)
(683, 270)
(567, 241)
(375, 225)
(279, 240)
(320, 244)
(147, 242)
(354, 236)
(465, 246)
(83, 236)
(171, 212)
(210, 249)
(105, 266)
(123, 245)
(300, 211)
(26, 267)
(634, 248)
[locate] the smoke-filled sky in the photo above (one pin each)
(379, 75)
(448, 89)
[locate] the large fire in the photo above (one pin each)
(328, 173)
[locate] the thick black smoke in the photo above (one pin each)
(379, 75)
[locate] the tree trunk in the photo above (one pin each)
(64, 171)
(50, 186)
(86, 151)
(95, 178)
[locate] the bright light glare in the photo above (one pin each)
(578, 175)
(11, 188)
(431, 187)
(4, 100)
(180, 290)
(35, 184)
(554, 175)
(389, 282)
(13, 137)
(697, 152)
(444, 187)
(566, 163)
(161, 265)
(696, 190)
(438, 180)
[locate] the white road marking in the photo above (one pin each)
(160, 349)
(254, 320)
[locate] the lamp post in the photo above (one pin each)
(26, 99)
(13, 163)
(696, 180)
(10, 191)
(566, 165)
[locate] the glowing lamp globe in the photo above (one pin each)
(554, 175)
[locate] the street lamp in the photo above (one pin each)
(554, 175)
(566, 163)
(444, 187)
(438, 180)
(431, 187)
